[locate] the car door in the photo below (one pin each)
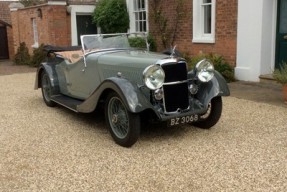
(81, 80)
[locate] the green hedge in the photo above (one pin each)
(139, 42)
(23, 57)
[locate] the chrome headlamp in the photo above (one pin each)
(153, 77)
(204, 70)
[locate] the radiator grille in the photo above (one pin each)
(175, 95)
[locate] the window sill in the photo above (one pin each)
(203, 40)
(36, 45)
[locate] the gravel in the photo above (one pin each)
(54, 149)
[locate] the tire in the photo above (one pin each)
(123, 125)
(212, 116)
(47, 90)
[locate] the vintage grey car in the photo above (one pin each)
(132, 84)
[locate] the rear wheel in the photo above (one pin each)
(47, 90)
(212, 115)
(123, 125)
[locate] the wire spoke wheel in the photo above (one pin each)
(123, 125)
(118, 118)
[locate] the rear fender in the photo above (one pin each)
(130, 94)
(50, 70)
(214, 88)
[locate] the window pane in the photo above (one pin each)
(143, 4)
(144, 26)
(207, 19)
(35, 30)
(137, 26)
(206, 1)
(135, 5)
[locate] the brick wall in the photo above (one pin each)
(225, 35)
(5, 11)
(53, 28)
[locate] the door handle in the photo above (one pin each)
(285, 37)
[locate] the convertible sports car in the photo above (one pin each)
(131, 84)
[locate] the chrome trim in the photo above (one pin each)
(177, 61)
(167, 60)
(175, 82)
(178, 111)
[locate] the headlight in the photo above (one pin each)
(204, 70)
(153, 77)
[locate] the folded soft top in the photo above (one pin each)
(51, 48)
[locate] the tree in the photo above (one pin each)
(112, 16)
(167, 28)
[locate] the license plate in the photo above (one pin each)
(182, 120)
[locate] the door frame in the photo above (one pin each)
(76, 10)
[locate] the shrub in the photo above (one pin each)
(220, 65)
(140, 42)
(39, 55)
(280, 75)
(112, 16)
(22, 57)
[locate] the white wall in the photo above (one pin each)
(255, 38)
(131, 15)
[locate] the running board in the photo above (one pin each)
(67, 102)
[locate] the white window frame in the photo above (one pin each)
(132, 13)
(198, 22)
(139, 22)
(35, 33)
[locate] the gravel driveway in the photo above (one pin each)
(53, 149)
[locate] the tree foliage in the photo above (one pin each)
(39, 55)
(112, 16)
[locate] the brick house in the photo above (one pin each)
(56, 22)
(251, 35)
(6, 34)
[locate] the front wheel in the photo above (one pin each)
(212, 115)
(123, 125)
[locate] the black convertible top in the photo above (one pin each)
(51, 48)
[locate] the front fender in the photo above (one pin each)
(214, 88)
(131, 95)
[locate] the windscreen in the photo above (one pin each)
(99, 42)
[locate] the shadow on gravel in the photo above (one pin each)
(149, 131)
